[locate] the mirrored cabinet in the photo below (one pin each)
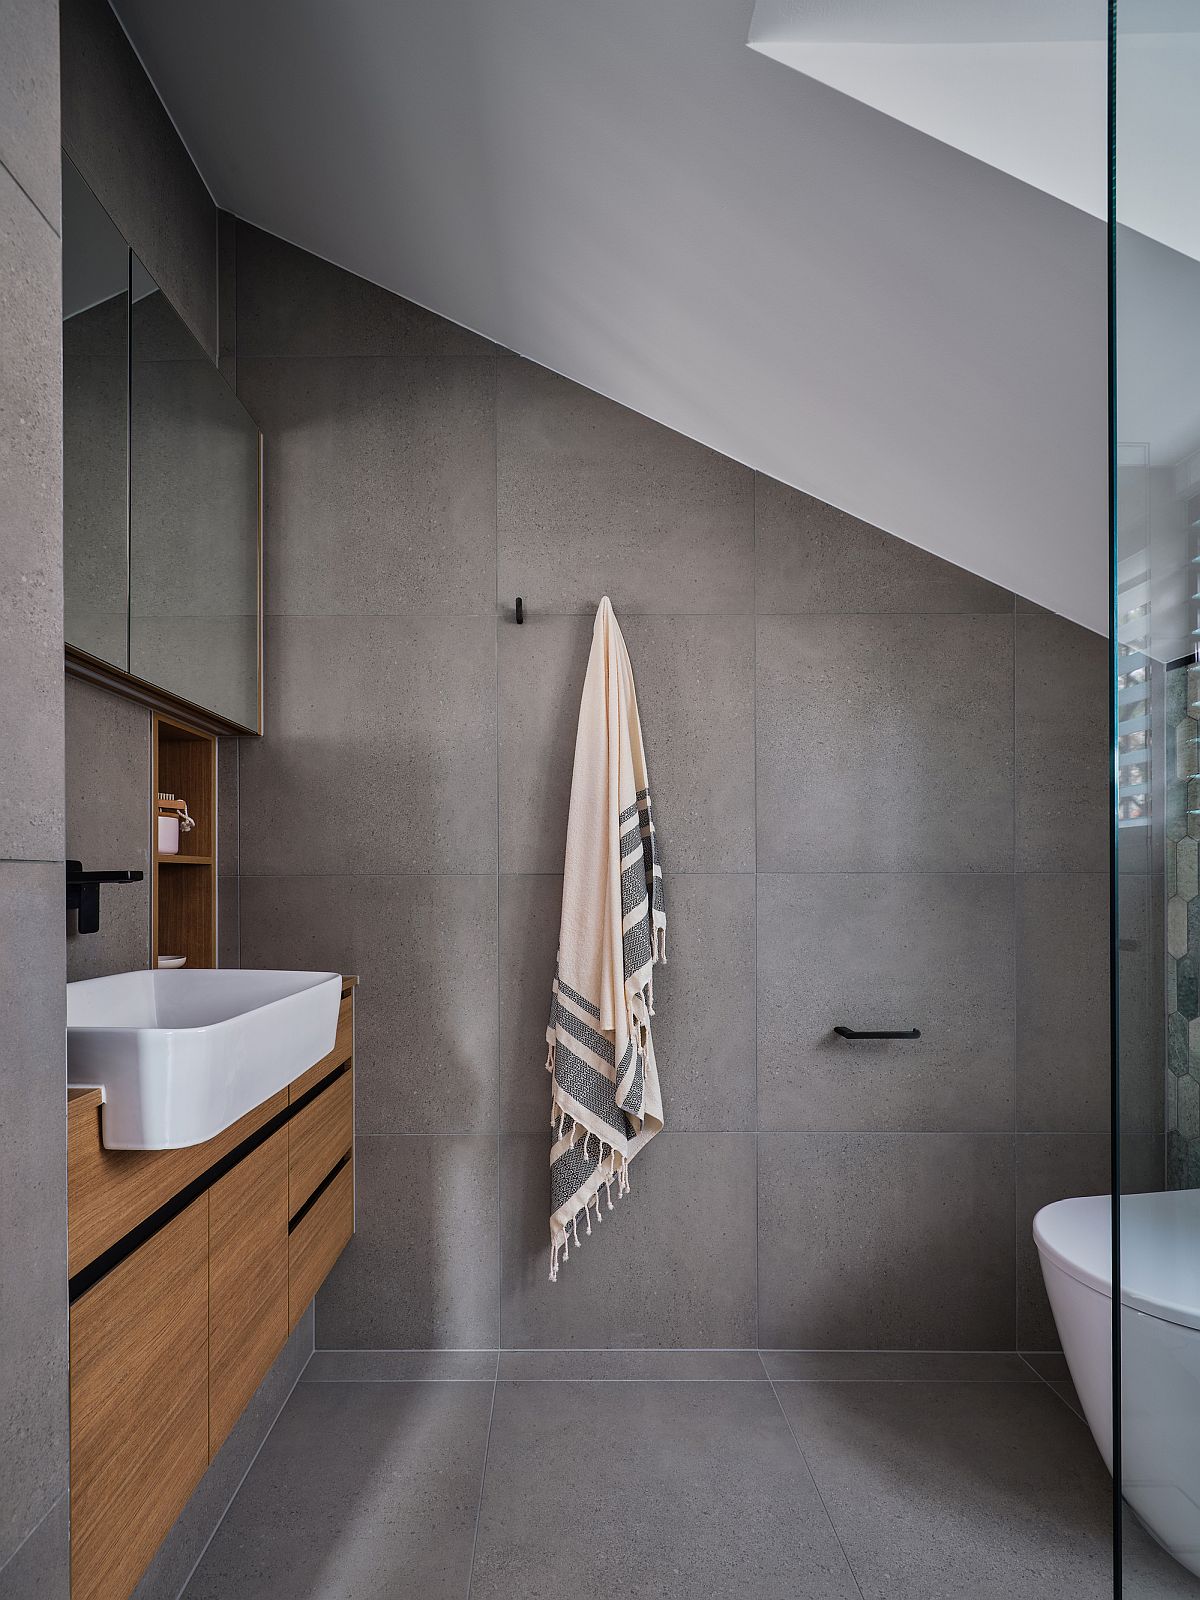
(162, 486)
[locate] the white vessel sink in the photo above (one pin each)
(181, 1055)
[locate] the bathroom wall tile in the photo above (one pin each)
(29, 131)
(541, 670)
(291, 303)
(530, 909)
(33, 1315)
(1062, 1002)
(695, 681)
(228, 833)
(810, 556)
(229, 933)
(883, 743)
(595, 499)
(979, 1509)
(380, 480)
(175, 1559)
(40, 1568)
(1050, 1167)
(424, 948)
(886, 950)
(31, 600)
(701, 1448)
(704, 1007)
(421, 1269)
(690, 1217)
(137, 164)
(885, 1241)
(1061, 746)
(362, 1489)
(108, 824)
(227, 232)
(389, 759)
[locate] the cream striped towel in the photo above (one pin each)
(606, 1103)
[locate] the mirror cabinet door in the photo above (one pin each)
(194, 518)
(95, 426)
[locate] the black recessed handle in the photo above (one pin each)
(520, 609)
(854, 1033)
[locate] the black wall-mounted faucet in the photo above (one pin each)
(83, 893)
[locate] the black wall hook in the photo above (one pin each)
(520, 609)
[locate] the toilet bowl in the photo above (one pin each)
(1160, 1345)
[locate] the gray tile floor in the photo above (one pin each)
(673, 1475)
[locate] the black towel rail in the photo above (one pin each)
(855, 1033)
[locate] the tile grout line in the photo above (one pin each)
(483, 1479)
(787, 1421)
(1042, 1379)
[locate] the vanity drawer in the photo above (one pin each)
(321, 1135)
(139, 1405)
(343, 1049)
(318, 1238)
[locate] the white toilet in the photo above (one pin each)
(1160, 1345)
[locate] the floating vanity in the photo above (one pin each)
(190, 1265)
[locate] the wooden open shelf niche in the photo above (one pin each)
(184, 903)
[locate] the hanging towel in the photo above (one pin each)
(606, 1104)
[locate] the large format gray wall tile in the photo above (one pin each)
(1050, 1167)
(704, 1023)
(686, 1231)
(883, 743)
(886, 951)
(116, 131)
(695, 683)
(291, 303)
(380, 480)
(108, 824)
(886, 1241)
(595, 499)
(424, 947)
(380, 748)
(33, 1158)
(860, 735)
(810, 556)
(1061, 724)
(29, 111)
(422, 1267)
(1062, 1002)
(31, 601)
(530, 909)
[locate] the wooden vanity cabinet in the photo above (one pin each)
(188, 1270)
(139, 1404)
(248, 1281)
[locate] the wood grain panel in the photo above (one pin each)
(343, 1049)
(321, 1135)
(139, 1405)
(111, 1191)
(248, 1280)
(318, 1240)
